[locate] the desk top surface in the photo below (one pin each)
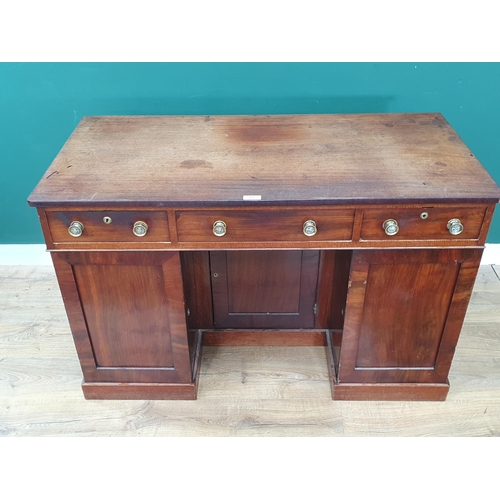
(290, 159)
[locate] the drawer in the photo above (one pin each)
(264, 225)
(120, 229)
(422, 223)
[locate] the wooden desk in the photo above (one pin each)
(362, 233)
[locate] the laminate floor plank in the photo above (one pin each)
(496, 270)
(243, 391)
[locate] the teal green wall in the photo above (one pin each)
(40, 104)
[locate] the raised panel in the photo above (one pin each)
(404, 313)
(264, 282)
(126, 312)
(264, 288)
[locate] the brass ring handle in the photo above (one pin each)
(140, 228)
(390, 227)
(309, 228)
(75, 229)
(219, 228)
(455, 226)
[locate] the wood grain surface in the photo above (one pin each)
(413, 227)
(111, 296)
(404, 314)
(119, 230)
(262, 225)
(243, 391)
(176, 160)
(264, 289)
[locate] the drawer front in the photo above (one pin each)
(119, 230)
(264, 225)
(422, 223)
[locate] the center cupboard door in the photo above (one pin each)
(126, 312)
(404, 313)
(264, 289)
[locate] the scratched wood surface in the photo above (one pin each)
(244, 391)
(149, 160)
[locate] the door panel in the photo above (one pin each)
(402, 327)
(404, 313)
(126, 326)
(127, 315)
(264, 282)
(264, 288)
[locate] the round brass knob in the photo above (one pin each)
(140, 228)
(219, 228)
(75, 229)
(309, 228)
(455, 226)
(390, 227)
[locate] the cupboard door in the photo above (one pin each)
(264, 288)
(126, 312)
(404, 313)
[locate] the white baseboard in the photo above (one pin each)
(491, 254)
(24, 255)
(36, 255)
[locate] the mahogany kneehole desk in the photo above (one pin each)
(360, 233)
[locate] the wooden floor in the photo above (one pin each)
(244, 391)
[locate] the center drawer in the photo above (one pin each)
(264, 225)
